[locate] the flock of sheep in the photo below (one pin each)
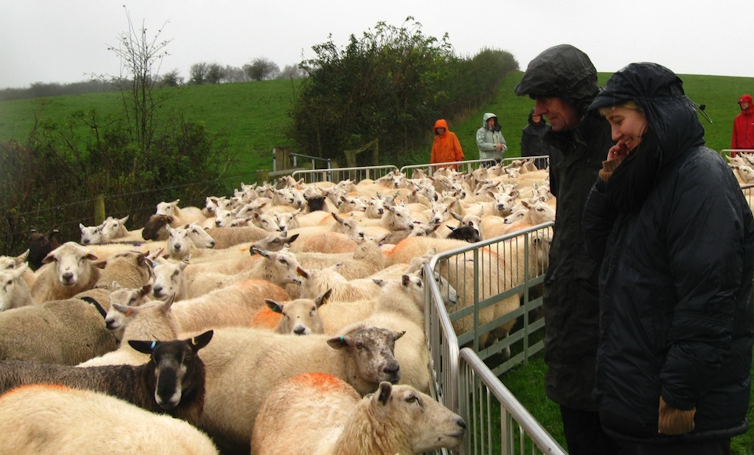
(188, 325)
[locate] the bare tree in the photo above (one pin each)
(234, 74)
(261, 69)
(141, 57)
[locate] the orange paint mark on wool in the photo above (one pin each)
(323, 382)
(32, 387)
(265, 319)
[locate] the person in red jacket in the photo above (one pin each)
(445, 147)
(743, 125)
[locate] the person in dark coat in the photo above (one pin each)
(533, 139)
(563, 82)
(676, 239)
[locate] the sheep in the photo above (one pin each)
(531, 214)
(320, 414)
(172, 382)
(8, 263)
(169, 279)
(273, 243)
(182, 216)
(91, 235)
(233, 305)
(151, 321)
(411, 247)
(363, 357)
(70, 269)
(40, 245)
(228, 237)
(131, 269)
(366, 260)
(116, 321)
(299, 317)
(278, 268)
(328, 242)
(317, 281)
(51, 419)
(60, 331)
(182, 241)
(115, 229)
(468, 234)
(14, 292)
(155, 227)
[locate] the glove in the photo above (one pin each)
(673, 421)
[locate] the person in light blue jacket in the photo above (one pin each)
(490, 140)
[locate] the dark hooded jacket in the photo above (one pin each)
(676, 240)
(571, 301)
(533, 140)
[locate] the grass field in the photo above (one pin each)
(253, 115)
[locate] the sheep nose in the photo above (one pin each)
(461, 423)
(67, 276)
(393, 369)
(299, 330)
(212, 244)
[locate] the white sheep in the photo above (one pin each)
(315, 282)
(8, 263)
(116, 321)
(169, 279)
(232, 236)
(242, 363)
(74, 421)
(181, 216)
(14, 292)
(69, 270)
(184, 241)
(233, 305)
(320, 414)
(91, 235)
(299, 317)
(115, 229)
(152, 321)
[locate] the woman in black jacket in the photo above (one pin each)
(533, 139)
(676, 239)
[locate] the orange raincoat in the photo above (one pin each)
(445, 147)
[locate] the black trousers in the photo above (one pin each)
(716, 447)
(583, 433)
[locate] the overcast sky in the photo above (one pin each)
(66, 40)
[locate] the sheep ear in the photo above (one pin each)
(405, 280)
(301, 272)
(274, 306)
(200, 341)
(339, 342)
(451, 228)
(49, 258)
(100, 264)
(145, 347)
(323, 299)
(292, 238)
(126, 310)
(379, 282)
(384, 392)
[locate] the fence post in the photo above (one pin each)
(99, 209)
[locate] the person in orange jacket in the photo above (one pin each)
(445, 147)
(743, 125)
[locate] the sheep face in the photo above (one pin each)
(372, 349)
(91, 235)
(113, 228)
(176, 367)
(167, 208)
(179, 243)
(71, 262)
(300, 316)
(425, 423)
(169, 279)
(115, 320)
(223, 218)
(200, 237)
(9, 284)
(398, 218)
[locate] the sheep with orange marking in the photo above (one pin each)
(74, 421)
(320, 414)
(362, 356)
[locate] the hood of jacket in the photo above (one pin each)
(670, 114)
(488, 116)
(746, 99)
(561, 71)
(440, 124)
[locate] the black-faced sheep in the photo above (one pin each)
(172, 382)
(75, 421)
(40, 245)
(319, 414)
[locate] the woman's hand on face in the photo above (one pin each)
(619, 150)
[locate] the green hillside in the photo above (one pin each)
(253, 115)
